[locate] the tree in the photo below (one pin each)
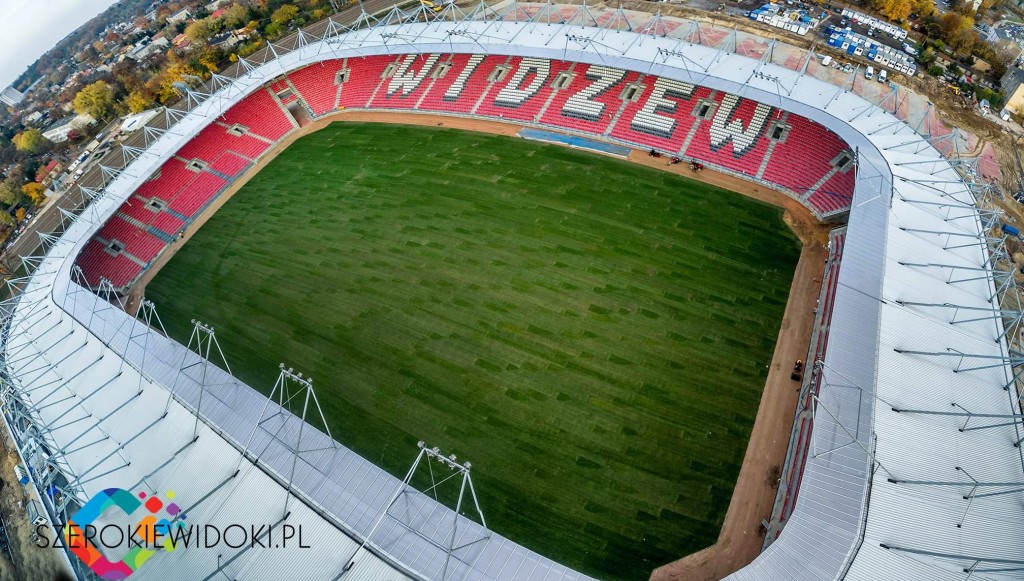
(95, 100)
(19, 215)
(201, 30)
(31, 140)
(927, 56)
(956, 31)
(235, 16)
(174, 74)
(284, 14)
(138, 101)
(923, 8)
(894, 9)
(10, 194)
(35, 191)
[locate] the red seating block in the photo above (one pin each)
(211, 142)
(96, 262)
(316, 84)
(810, 143)
(525, 100)
(200, 191)
(261, 114)
(137, 242)
(229, 164)
(167, 223)
(632, 128)
(465, 89)
(835, 194)
(363, 81)
(558, 114)
(713, 145)
(173, 175)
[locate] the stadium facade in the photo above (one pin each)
(914, 469)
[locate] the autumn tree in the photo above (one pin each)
(138, 101)
(201, 30)
(923, 8)
(235, 16)
(95, 100)
(284, 14)
(176, 73)
(35, 191)
(895, 10)
(31, 140)
(956, 31)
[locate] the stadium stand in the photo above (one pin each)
(131, 239)
(736, 137)
(722, 131)
(814, 145)
(364, 78)
(413, 75)
(317, 84)
(804, 419)
(216, 139)
(522, 93)
(229, 164)
(196, 194)
(260, 113)
(662, 114)
(590, 112)
(153, 219)
(96, 262)
(470, 82)
(834, 195)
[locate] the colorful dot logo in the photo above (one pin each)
(151, 529)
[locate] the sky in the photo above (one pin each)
(31, 27)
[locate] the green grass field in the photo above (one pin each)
(592, 335)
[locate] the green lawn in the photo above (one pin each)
(592, 335)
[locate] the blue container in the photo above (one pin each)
(1011, 230)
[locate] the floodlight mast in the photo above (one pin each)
(290, 390)
(425, 455)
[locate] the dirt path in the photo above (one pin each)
(740, 538)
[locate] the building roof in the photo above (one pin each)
(45, 170)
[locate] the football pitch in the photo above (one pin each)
(591, 334)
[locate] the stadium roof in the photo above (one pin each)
(892, 486)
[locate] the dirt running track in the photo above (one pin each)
(741, 537)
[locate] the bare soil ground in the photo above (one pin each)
(740, 539)
(29, 561)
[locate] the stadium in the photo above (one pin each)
(904, 456)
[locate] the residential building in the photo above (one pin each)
(1012, 84)
(179, 16)
(59, 131)
(11, 96)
